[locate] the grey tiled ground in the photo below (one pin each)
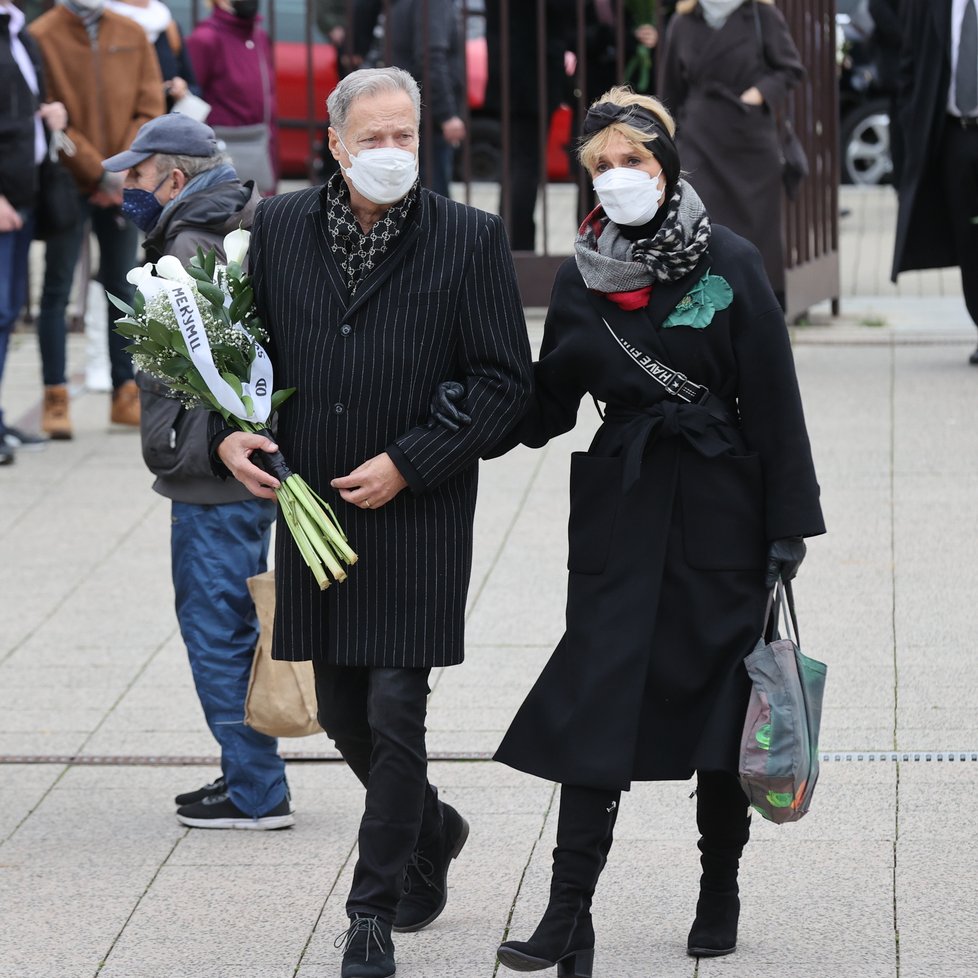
(97, 878)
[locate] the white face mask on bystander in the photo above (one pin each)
(630, 197)
(716, 12)
(383, 175)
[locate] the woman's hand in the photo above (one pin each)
(9, 218)
(177, 88)
(235, 452)
(445, 409)
(647, 35)
(54, 116)
(752, 96)
(372, 484)
(784, 557)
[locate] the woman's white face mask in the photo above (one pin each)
(383, 175)
(629, 196)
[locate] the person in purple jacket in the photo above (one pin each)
(232, 58)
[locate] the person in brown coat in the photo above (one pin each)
(726, 67)
(100, 65)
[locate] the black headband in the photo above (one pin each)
(663, 147)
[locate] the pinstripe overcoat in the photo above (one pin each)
(443, 304)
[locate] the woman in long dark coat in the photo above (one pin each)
(725, 69)
(694, 496)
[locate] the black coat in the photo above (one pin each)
(924, 237)
(443, 304)
(18, 171)
(666, 588)
(730, 151)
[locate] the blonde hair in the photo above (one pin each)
(688, 6)
(590, 150)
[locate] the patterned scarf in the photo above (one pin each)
(360, 253)
(611, 264)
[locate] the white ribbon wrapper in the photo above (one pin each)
(258, 386)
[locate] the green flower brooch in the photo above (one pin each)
(698, 307)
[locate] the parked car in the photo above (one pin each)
(864, 99)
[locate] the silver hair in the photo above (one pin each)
(366, 82)
(189, 166)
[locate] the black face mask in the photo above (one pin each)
(245, 9)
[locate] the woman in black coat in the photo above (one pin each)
(726, 67)
(692, 499)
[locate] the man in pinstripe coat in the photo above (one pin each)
(374, 292)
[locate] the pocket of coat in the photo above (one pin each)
(723, 512)
(595, 497)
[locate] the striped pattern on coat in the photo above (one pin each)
(443, 304)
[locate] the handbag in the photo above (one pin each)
(58, 205)
(281, 697)
(794, 159)
(779, 746)
(248, 147)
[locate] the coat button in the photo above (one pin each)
(338, 408)
(346, 329)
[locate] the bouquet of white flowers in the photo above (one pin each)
(195, 329)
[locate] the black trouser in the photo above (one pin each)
(376, 718)
(959, 181)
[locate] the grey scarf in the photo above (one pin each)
(609, 262)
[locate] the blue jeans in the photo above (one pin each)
(13, 282)
(118, 240)
(214, 550)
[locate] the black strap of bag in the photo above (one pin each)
(781, 597)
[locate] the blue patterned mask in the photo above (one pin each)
(142, 207)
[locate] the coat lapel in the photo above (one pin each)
(320, 232)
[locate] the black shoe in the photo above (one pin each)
(219, 812)
(973, 359)
(218, 787)
(15, 438)
(368, 951)
(426, 875)
(714, 931)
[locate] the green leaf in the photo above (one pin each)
(128, 328)
(159, 333)
(176, 366)
(178, 344)
(210, 262)
(249, 404)
(233, 381)
(280, 397)
(200, 274)
(212, 293)
(138, 303)
(120, 305)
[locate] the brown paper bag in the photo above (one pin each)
(281, 700)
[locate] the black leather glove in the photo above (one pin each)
(444, 407)
(784, 557)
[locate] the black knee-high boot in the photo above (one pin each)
(565, 935)
(723, 819)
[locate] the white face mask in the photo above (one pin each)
(716, 12)
(629, 197)
(382, 175)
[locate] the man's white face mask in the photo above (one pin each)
(383, 175)
(91, 4)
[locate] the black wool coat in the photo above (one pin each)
(443, 304)
(730, 151)
(666, 588)
(924, 237)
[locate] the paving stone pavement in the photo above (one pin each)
(98, 879)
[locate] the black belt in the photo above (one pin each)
(968, 122)
(706, 427)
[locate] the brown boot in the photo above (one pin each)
(55, 419)
(125, 404)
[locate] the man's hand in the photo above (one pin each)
(9, 218)
(370, 485)
(177, 88)
(752, 96)
(108, 193)
(235, 452)
(453, 130)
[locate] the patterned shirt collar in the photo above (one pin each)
(360, 253)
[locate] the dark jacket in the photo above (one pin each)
(730, 150)
(443, 304)
(666, 588)
(18, 169)
(174, 440)
(924, 235)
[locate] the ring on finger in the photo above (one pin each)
(365, 504)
